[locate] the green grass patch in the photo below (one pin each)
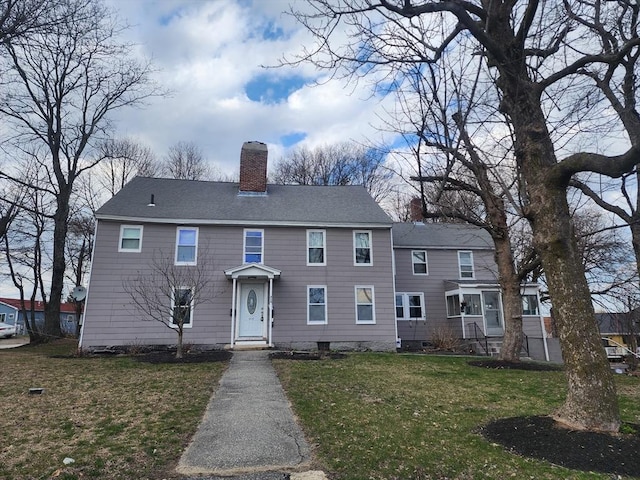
(390, 416)
(116, 417)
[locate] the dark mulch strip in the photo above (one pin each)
(503, 364)
(191, 357)
(542, 438)
(306, 356)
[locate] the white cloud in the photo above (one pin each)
(207, 52)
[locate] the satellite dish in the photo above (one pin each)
(79, 293)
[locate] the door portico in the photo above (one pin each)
(252, 304)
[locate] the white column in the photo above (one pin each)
(233, 312)
(269, 314)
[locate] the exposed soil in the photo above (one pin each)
(543, 438)
(503, 364)
(306, 355)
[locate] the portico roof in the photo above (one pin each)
(252, 270)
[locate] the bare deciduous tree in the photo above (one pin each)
(169, 293)
(60, 87)
(339, 164)
(186, 161)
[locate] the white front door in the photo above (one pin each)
(252, 319)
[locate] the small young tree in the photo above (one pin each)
(169, 293)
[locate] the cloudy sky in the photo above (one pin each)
(211, 56)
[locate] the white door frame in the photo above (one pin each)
(261, 288)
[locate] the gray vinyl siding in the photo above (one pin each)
(442, 265)
(111, 320)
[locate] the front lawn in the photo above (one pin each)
(388, 416)
(116, 418)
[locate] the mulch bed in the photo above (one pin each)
(306, 355)
(503, 364)
(191, 357)
(542, 438)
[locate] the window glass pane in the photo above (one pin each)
(415, 306)
(365, 313)
(473, 305)
(253, 246)
(316, 255)
(186, 251)
(130, 243)
(363, 248)
(362, 240)
(182, 306)
(186, 254)
(365, 295)
(399, 307)
(316, 295)
(131, 233)
(316, 313)
(316, 239)
(529, 305)
(130, 238)
(453, 305)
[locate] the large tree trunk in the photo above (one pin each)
(591, 401)
(511, 301)
(52, 310)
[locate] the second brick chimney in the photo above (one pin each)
(415, 210)
(253, 168)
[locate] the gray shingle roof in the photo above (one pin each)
(189, 201)
(440, 235)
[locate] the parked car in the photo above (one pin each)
(7, 330)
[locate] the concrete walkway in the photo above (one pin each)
(248, 426)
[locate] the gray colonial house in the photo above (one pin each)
(446, 287)
(293, 267)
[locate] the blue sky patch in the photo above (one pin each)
(292, 138)
(269, 89)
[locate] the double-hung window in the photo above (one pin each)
(419, 262)
(365, 305)
(530, 305)
(362, 248)
(465, 264)
(316, 240)
(182, 307)
(410, 306)
(316, 305)
(130, 238)
(253, 246)
(186, 245)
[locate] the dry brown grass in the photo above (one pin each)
(117, 418)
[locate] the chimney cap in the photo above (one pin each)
(254, 145)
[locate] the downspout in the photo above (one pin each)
(393, 272)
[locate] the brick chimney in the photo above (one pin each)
(253, 168)
(415, 210)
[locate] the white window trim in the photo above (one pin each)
(324, 248)
(373, 305)
(426, 263)
(326, 318)
(3, 317)
(131, 250)
(473, 270)
(370, 248)
(244, 244)
(195, 255)
(173, 304)
(406, 307)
